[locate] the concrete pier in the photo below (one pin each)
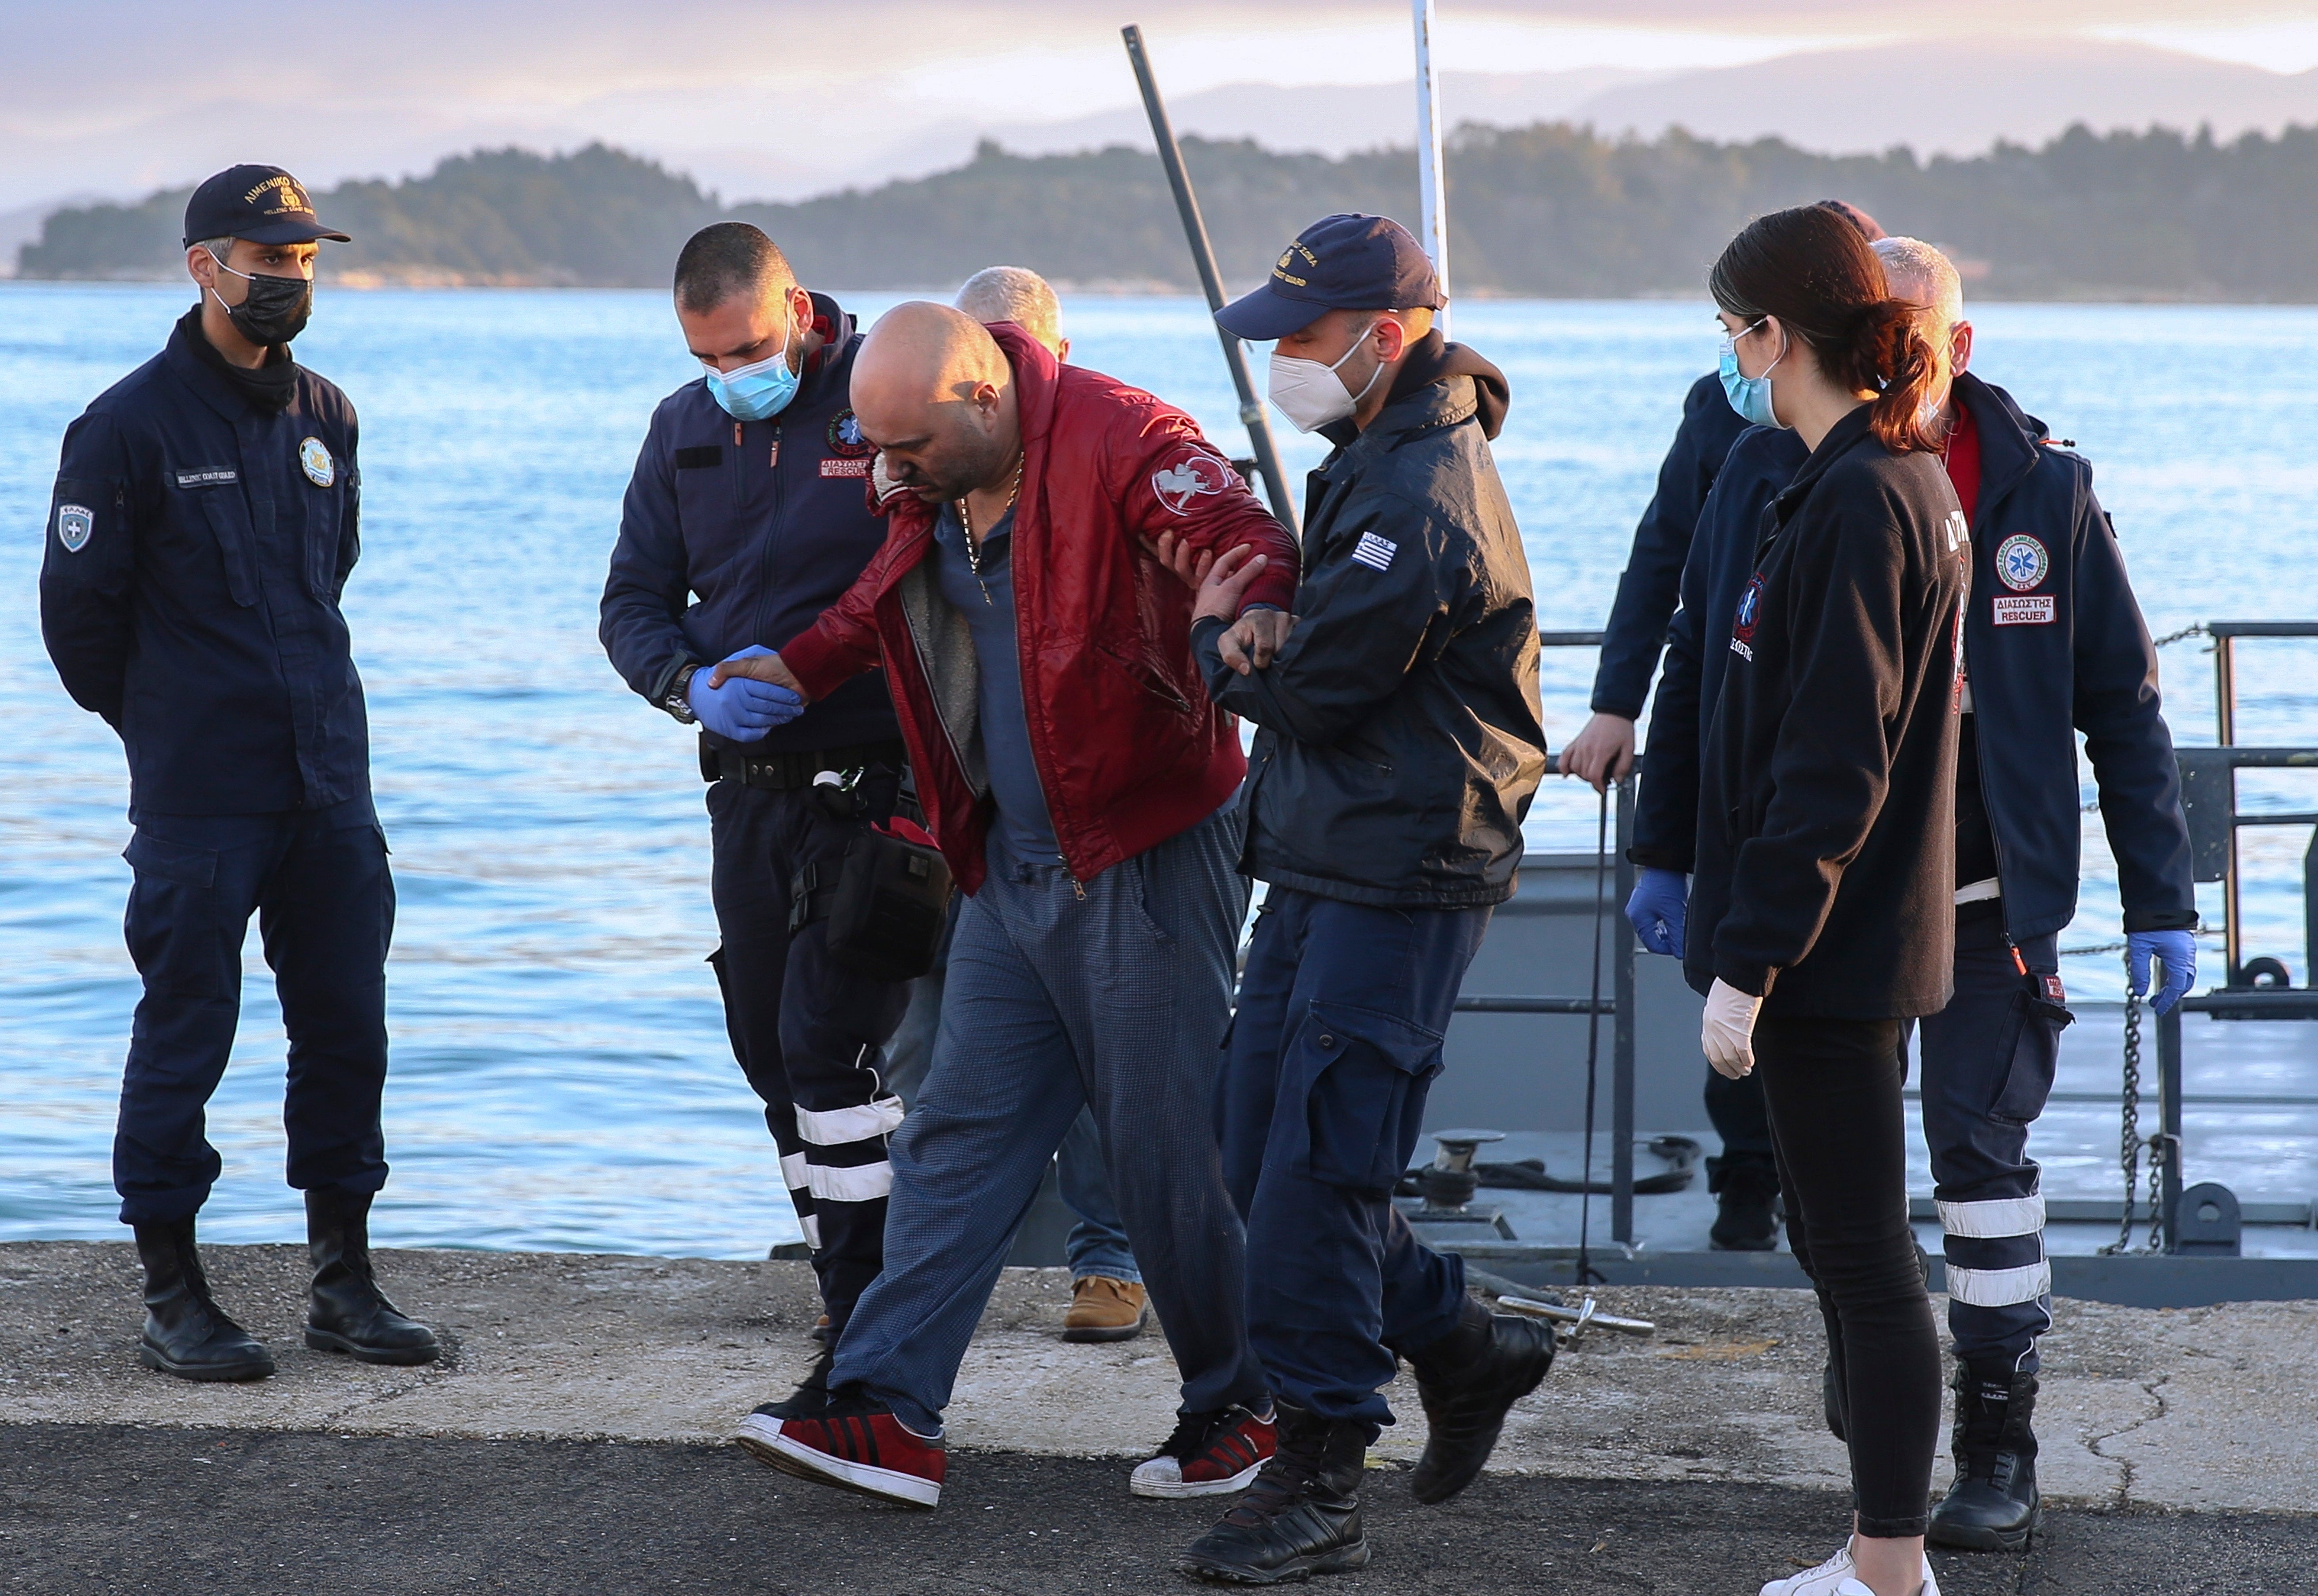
(1712, 1427)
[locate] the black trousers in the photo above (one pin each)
(1839, 1129)
(810, 1033)
(318, 884)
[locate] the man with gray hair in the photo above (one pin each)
(2053, 645)
(1019, 295)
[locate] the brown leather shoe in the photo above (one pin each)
(1105, 1309)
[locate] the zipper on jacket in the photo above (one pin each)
(772, 533)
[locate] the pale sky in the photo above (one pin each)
(780, 98)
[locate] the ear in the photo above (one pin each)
(199, 267)
(1392, 339)
(1062, 352)
(1960, 349)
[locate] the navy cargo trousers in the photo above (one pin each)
(809, 1033)
(1342, 1008)
(318, 882)
(1987, 1062)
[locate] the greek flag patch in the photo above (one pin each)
(1374, 551)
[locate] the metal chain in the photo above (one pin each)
(2197, 628)
(2129, 1142)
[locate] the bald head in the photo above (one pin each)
(932, 390)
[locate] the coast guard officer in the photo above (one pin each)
(203, 524)
(2053, 645)
(747, 516)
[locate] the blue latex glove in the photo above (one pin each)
(2178, 949)
(1659, 908)
(743, 709)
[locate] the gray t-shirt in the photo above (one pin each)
(1023, 831)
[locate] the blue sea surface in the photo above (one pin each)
(561, 1078)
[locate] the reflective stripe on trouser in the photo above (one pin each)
(1114, 991)
(809, 1034)
(1987, 1061)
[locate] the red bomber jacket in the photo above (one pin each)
(1131, 750)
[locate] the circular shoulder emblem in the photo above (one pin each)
(2021, 562)
(320, 469)
(845, 439)
(1749, 614)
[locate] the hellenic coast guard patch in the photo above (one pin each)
(320, 469)
(2021, 562)
(74, 524)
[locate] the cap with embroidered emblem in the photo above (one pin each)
(263, 204)
(1346, 262)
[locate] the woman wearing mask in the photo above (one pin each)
(1820, 916)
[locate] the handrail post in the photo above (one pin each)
(1622, 1089)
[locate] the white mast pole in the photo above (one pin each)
(1431, 188)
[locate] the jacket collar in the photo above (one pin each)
(208, 386)
(1841, 439)
(837, 335)
(2011, 440)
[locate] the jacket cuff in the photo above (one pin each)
(1622, 708)
(657, 694)
(815, 660)
(1754, 980)
(1660, 858)
(2160, 919)
(1275, 585)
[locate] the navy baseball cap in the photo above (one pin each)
(1339, 263)
(263, 204)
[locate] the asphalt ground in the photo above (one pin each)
(118, 1508)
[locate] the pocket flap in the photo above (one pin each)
(1406, 1046)
(171, 861)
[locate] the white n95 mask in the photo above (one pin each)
(1310, 394)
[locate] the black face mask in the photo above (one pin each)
(273, 311)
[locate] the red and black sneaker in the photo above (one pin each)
(853, 1444)
(1209, 1455)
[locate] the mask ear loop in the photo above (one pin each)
(1355, 349)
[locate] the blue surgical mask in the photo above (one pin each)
(759, 390)
(1749, 396)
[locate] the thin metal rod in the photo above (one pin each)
(1586, 1274)
(1621, 1047)
(2169, 1088)
(1203, 257)
(2226, 718)
(1431, 184)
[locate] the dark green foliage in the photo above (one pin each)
(1547, 209)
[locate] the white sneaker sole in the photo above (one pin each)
(762, 1439)
(1176, 1490)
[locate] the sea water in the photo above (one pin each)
(560, 1073)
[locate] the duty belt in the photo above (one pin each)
(787, 770)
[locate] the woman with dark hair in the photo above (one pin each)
(1820, 914)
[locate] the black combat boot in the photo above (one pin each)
(187, 1334)
(346, 1312)
(1302, 1515)
(1468, 1380)
(1993, 1506)
(1746, 1205)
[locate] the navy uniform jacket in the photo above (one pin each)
(736, 532)
(2065, 651)
(1647, 589)
(197, 547)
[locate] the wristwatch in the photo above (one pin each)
(676, 702)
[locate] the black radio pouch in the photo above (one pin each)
(886, 902)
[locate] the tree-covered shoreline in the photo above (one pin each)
(1549, 211)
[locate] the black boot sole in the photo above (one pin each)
(1978, 1537)
(1295, 1571)
(329, 1340)
(252, 1369)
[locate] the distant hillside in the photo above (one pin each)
(1549, 210)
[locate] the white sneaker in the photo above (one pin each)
(1838, 1576)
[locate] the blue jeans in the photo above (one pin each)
(318, 882)
(1097, 1244)
(1342, 1012)
(1109, 994)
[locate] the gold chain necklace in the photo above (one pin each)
(966, 520)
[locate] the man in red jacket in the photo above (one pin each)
(1082, 787)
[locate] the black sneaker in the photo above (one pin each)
(1301, 1517)
(1746, 1208)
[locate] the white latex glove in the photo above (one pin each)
(1728, 1033)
